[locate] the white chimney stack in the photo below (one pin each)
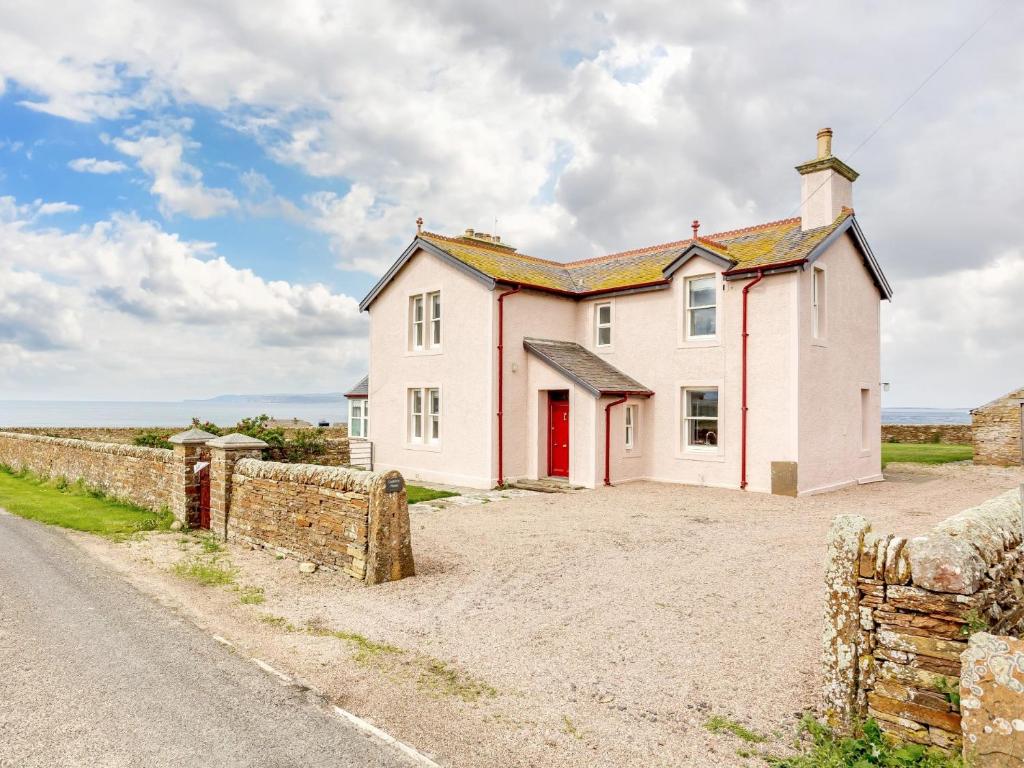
(826, 186)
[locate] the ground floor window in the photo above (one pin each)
(700, 417)
(358, 418)
(425, 415)
(631, 414)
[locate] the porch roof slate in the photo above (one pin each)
(362, 389)
(593, 373)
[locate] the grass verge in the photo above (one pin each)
(74, 506)
(419, 494)
(925, 453)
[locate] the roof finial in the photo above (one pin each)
(696, 226)
(419, 224)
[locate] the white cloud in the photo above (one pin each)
(51, 209)
(582, 132)
(177, 184)
(954, 340)
(93, 165)
(122, 304)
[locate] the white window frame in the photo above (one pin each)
(687, 418)
(688, 314)
(434, 335)
(630, 416)
(433, 434)
(424, 426)
(599, 326)
(359, 416)
(417, 327)
(819, 303)
(415, 416)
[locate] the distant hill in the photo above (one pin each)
(327, 397)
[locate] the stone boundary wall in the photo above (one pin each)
(340, 518)
(954, 434)
(899, 614)
(142, 476)
(997, 431)
(126, 435)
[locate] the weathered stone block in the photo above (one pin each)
(992, 701)
(941, 563)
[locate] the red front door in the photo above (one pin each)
(558, 436)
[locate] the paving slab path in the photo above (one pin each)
(94, 673)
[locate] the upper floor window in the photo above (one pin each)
(700, 418)
(701, 311)
(358, 417)
(603, 325)
(818, 303)
(435, 318)
(631, 413)
(424, 330)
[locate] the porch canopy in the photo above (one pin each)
(582, 366)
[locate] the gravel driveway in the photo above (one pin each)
(598, 628)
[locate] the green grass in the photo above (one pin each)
(419, 494)
(209, 573)
(251, 596)
(719, 723)
(925, 453)
(56, 502)
(867, 748)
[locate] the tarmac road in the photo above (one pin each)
(94, 673)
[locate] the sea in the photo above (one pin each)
(69, 413)
(926, 416)
(50, 413)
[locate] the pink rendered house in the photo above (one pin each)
(742, 359)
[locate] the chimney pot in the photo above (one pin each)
(695, 226)
(824, 143)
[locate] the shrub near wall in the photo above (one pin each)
(143, 476)
(900, 613)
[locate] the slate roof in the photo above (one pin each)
(362, 389)
(773, 243)
(581, 365)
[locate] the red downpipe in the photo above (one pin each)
(501, 381)
(743, 412)
(608, 438)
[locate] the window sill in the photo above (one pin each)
(819, 342)
(429, 447)
(700, 343)
(423, 352)
(632, 453)
(696, 454)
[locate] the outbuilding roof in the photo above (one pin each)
(775, 245)
(593, 373)
(362, 389)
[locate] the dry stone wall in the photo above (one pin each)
(953, 434)
(900, 613)
(143, 476)
(997, 431)
(340, 518)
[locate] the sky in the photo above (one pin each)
(195, 195)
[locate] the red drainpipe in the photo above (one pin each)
(608, 438)
(501, 381)
(743, 412)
